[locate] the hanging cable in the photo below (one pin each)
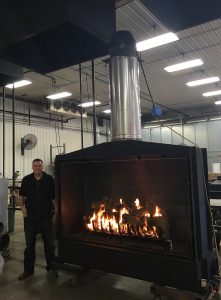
(145, 78)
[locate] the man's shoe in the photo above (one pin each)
(52, 275)
(25, 275)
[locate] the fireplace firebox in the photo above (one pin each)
(137, 209)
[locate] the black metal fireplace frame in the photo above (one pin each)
(163, 269)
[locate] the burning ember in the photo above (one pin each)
(120, 219)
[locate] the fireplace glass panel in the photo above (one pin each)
(139, 204)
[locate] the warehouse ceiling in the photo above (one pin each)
(169, 90)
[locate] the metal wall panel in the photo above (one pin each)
(145, 134)
(202, 134)
(176, 138)
(205, 135)
(155, 135)
(166, 135)
(46, 136)
(214, 136)
(190, 135)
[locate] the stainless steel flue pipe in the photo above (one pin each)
(125, 88)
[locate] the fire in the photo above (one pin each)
(137, 203)
(124, 220)
(157, 212)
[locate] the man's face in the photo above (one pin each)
(37, 167)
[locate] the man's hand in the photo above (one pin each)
(24, 211)
(22, 206)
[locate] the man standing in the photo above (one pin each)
(37, 205)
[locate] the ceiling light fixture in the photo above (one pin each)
(172, 124)
(218, 102)
(107, 111)
(18, 84)
(151, 126)
(196, 121)
(89, 104)
(212, 93)
(203, 81)
(157, 41)
(59, 95)
(215, 118)
(184, 65)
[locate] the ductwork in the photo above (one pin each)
(9, 72)
(50, 35)
(176, 16)
(125, 89)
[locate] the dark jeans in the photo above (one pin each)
(32, 227)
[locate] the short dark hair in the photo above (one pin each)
(37, 159)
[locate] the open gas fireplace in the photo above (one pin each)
(137, 209)
(134, 202)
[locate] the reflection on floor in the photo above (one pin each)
(94, 285)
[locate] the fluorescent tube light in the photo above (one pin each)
(218, 102)
(203, 81)
(89, 104)
(18, 84)
(213, 93)
(196, 121)
(184, 65)
(151, 126)
(215, 118)
(157, 41)
(172, 124)
(59, 95)
(107, 111)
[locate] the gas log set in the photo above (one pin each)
(133, 201)
(119, 218)
(146, 222)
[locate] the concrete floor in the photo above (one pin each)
(94, 285)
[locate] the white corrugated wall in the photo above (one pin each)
(47, 133)
(204, 134)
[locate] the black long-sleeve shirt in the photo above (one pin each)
(38, 195)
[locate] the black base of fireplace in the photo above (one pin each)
(170, 293)
(163, 270)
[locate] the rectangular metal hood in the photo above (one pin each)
(49, 35)
(179, 15)
(9, 72)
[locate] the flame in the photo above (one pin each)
(117, 222)
(137, 203)
(157, 212)
(90, 225)
(123, 211)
